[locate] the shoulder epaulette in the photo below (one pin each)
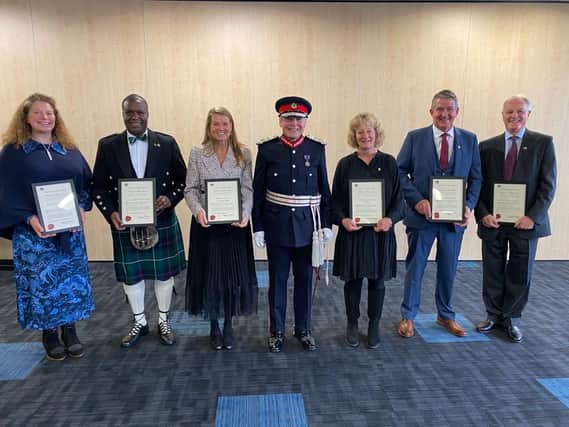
(270, 138)
(320, 141)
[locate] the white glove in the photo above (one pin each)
(327, 235)
(259, 239)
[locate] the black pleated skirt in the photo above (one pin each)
(365, 254)
(221, 275)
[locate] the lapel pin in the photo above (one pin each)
(524, 147)
(459, 147)
(379, 169)
(157, 145)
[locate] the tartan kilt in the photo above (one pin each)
(163, 261)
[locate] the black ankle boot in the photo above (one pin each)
(352, 295)
(375, 309)
(53, 347)
(215, 336)
(73, 346)
(352, 334)
(227, 335)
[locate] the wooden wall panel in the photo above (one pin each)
(186, 57)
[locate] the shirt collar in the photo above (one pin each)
(31, 145)
(438, 133)
(518, 135)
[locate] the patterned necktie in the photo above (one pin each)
(511, 158)
(444, 151)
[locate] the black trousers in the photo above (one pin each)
(506, 279)
(352, 297)
(280, 258)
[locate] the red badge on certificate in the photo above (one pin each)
(437, 215)
(212, 217)
(357, 219)
(498, 216)
(50, 226)
(127, 218)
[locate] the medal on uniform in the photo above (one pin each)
(307, 160)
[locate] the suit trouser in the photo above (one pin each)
(280, 258)
(506, 282)
(448, 248)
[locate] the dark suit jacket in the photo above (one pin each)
(535, 167)
(164, 163)
(418, 162)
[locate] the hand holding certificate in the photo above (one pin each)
(57, 206)
(366, 201)
(137, 201)
(509, 201)
(447, 199)
(223, 201)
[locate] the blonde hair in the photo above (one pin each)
(365, 119)
(19, 130)
(233, 140)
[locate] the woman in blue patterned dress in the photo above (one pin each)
(52, 274)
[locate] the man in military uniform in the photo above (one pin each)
(291, 200)
(139, 152)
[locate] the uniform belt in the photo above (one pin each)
(293, 201)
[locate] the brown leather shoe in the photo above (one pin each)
(452, 327)
(405, 328)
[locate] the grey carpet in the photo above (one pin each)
(403, 383)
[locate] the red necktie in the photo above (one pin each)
(444, 151)
(511, 158)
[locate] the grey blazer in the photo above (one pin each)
(203, 164)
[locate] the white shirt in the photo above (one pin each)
(138, 153)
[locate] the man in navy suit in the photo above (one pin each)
(291, 200)
(521, 156)
(437, 150)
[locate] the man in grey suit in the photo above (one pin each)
(520, 156)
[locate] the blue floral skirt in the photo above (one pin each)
(53, 286)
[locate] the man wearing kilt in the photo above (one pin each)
(139, 152)
(291, 201)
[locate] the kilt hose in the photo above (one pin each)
(163, 261)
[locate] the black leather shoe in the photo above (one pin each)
(73, 346)
(227, 337)
(352, 335)
(486, 326)
(515, 334)
(306, 339)
(276, 342)
(166, 333)
(215, 338)
(54, 349)
(138, 330)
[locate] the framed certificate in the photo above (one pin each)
(137, 199)
(447, 199)
(223, 200)
(366, 201)
(57, 206)
(509, 201)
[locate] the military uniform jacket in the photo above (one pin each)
(299, 171)
(164, 163)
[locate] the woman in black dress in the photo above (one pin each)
(221, 280)
(365, 251)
